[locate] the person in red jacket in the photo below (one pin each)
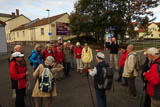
(47, 52)
(153, 77)
(59, 58)
(18, 75)
(78, 53)
(58, 42)
(122, 61)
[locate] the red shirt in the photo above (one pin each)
(45, 54)
(59, 56)
(78, 52)
(18, 72)
(123, 58)
(153, 78)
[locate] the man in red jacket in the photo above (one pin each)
(59, 58)
(153, 77)
(47, 52)
(122, 61)
(58, 42)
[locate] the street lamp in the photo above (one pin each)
(49, 33)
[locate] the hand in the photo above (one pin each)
(27, 73)
(89, 70)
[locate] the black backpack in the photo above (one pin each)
(106, 79)
(157, 87)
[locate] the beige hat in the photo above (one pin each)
(49, 60)
(152, 51)
(100, 55)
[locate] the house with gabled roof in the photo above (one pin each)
(153, 31)
(46, 29)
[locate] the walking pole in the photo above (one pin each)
(90, 89)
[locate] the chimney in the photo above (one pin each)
(13, 15)
(17, 12)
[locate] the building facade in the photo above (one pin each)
(153, 32)
(47, 29)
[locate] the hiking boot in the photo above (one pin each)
(133, 97)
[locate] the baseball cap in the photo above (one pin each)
(17, 54)
(77, 43)
(59, 38)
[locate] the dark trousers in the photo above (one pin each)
(20, 93)
(131, 86)
(147, 101)
(120, 73)
(66, 68)
(101, 98)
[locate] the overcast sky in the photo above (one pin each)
(37, 8)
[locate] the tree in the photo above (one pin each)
(128, 11)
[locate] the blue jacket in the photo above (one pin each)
(35, 59)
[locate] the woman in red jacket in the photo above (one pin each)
(47, 52)
(18, 74)
(78, 53)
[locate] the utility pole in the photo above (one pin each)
(49, 33)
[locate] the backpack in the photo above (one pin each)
(46, 81)
(106, 79)
(30, 57)
(138, 62)
(157, 87)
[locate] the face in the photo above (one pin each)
(150, 57)
(39, 49)
(113, 39)
(59, 41)
(86, 46)
(19, 49)
(19, 58)
(49, 47)
(65, 45)
(128, 49)
(123, 50)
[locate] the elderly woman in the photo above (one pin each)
(47, 52)
(40, 96)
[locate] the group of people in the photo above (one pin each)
(54, 63)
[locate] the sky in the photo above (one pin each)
(37, 8)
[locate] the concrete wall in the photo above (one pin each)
(3, 45)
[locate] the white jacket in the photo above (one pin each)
(129, 66)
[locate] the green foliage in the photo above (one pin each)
(92, 17)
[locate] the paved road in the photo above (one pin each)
(73, 91)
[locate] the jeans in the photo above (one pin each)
(20, 93)
(101, 98)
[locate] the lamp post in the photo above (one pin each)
(49, 33)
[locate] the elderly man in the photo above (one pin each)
(59, 41)
(153, 77)
(47, 52)
(130, 71)
(113, 47)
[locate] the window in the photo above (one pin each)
(42, 31)
(151, 35)
(17, 34)
(159, 35)
(23, 33)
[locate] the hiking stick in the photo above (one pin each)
(90, 90)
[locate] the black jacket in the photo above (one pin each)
(113, 47)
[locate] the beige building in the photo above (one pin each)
(152, 33)
(4, 17)
(47, 29)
